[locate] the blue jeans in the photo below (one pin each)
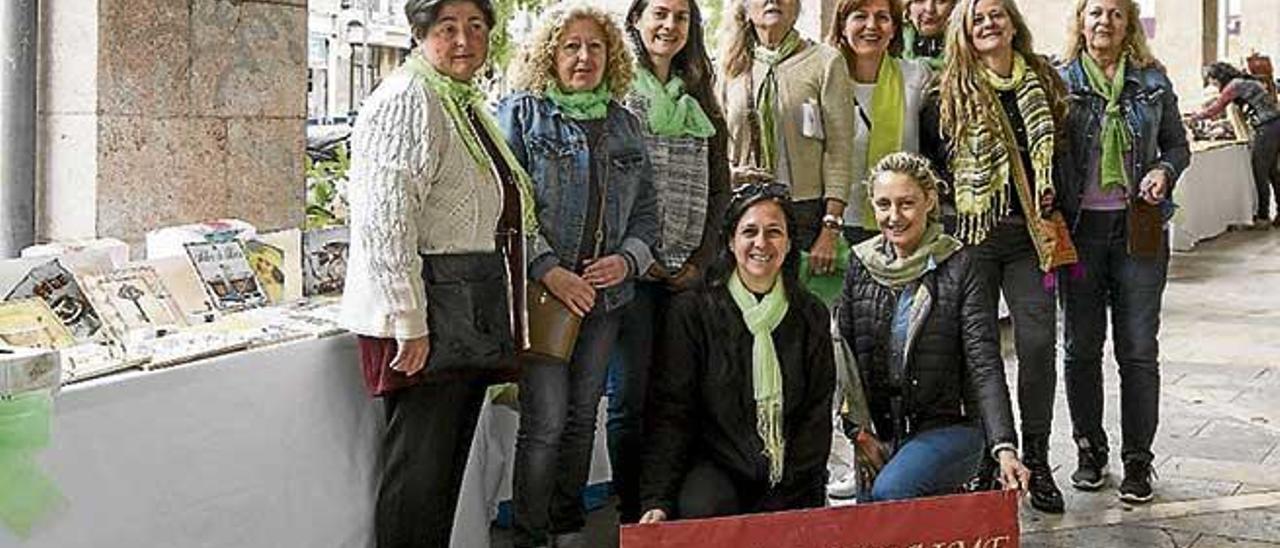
(558, 404)
(1132, 288)
(933, 462)
(627, 389)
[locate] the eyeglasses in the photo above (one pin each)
(764, 190)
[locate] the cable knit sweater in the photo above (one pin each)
(413, 188)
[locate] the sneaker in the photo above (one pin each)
(1091, 466)
(1045, 495)
(843, 489)
(1136, 487)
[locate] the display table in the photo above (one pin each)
(1215, 192)
(274, 447)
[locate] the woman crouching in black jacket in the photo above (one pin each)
(739, 411)
(918, 320)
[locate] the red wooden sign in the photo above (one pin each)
(980, 520)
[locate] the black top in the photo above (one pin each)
(598, 155)
(702, 405)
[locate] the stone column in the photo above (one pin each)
(162, 112)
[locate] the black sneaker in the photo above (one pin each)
(1136, 487)
(1045, 495)
(1091, 466)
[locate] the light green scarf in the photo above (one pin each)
(672, 112)
(762, 318)
(1115, 133)
(768, 92)
(26, 493)
(581, 105)
(888, 107)
(889, 270)
(457, 97)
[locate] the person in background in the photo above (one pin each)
(994, 130)
(924, 35)
(1260, 108)
(916, 314)
(688, 145)
(595, 195)
(740, 406)
(789, 107)
(432, 185)
(1120, 93)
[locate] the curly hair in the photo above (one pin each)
(1135, 39)
(835, 34)
(535, 68)
(964, 97)
(915, 167)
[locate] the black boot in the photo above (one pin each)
(1045, 495)
(1091, 465)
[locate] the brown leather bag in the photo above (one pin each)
(553, 328)
(1146, 229)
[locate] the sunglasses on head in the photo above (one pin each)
(766, 190)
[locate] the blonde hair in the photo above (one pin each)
(1135, 38)
(964, 97)
(915, 167)
(535, 68)
(741, 40)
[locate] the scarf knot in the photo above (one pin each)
(768, 93)
(762, 318)
(581, 105)
(672, 112)
(1116, 138)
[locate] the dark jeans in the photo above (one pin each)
(424, 453)
(1132, 289)
(558, 404)
(1008, 261)
(709, 491)
(627, 389)
(933, 462)
(1266, 175)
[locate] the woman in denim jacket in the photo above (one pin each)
(1128, 147)
(595, 199)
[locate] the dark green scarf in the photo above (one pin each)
(1115, 133)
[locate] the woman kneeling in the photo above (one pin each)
(916, 315)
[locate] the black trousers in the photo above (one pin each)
(1266, 175)
(710, 491)
(424, 453)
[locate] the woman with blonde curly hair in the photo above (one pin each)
(1113, 181)
(789, 108)
(596, 206)
(993, 127)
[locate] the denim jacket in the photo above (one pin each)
(1150, 110)
(553, 149)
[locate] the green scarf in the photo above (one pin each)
(889, 270)
(981, 165)
(909, 35)
(768, 93)
(581, 105)
(888, 107)
(1115, 133)
(26, 493)
(762, 318)
(456, 98)
(672, 112)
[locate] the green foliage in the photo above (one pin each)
(501, 48)
(713, 15)
(326, 190)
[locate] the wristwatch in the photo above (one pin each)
(834, 222)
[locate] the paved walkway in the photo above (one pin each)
(1217, 456)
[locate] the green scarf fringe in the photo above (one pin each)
(762, 318)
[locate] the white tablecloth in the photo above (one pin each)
(268, 448)
(1215, 191)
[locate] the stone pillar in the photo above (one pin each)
(161, 112)
(1260, 32)
(1185, 42)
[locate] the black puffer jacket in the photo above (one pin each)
(954, 372)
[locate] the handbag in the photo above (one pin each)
(468, 314)
(553, 328)
(1146, 229)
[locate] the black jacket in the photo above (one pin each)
(701, 405)
(954, 372)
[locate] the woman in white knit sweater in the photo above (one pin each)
(439, 214)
